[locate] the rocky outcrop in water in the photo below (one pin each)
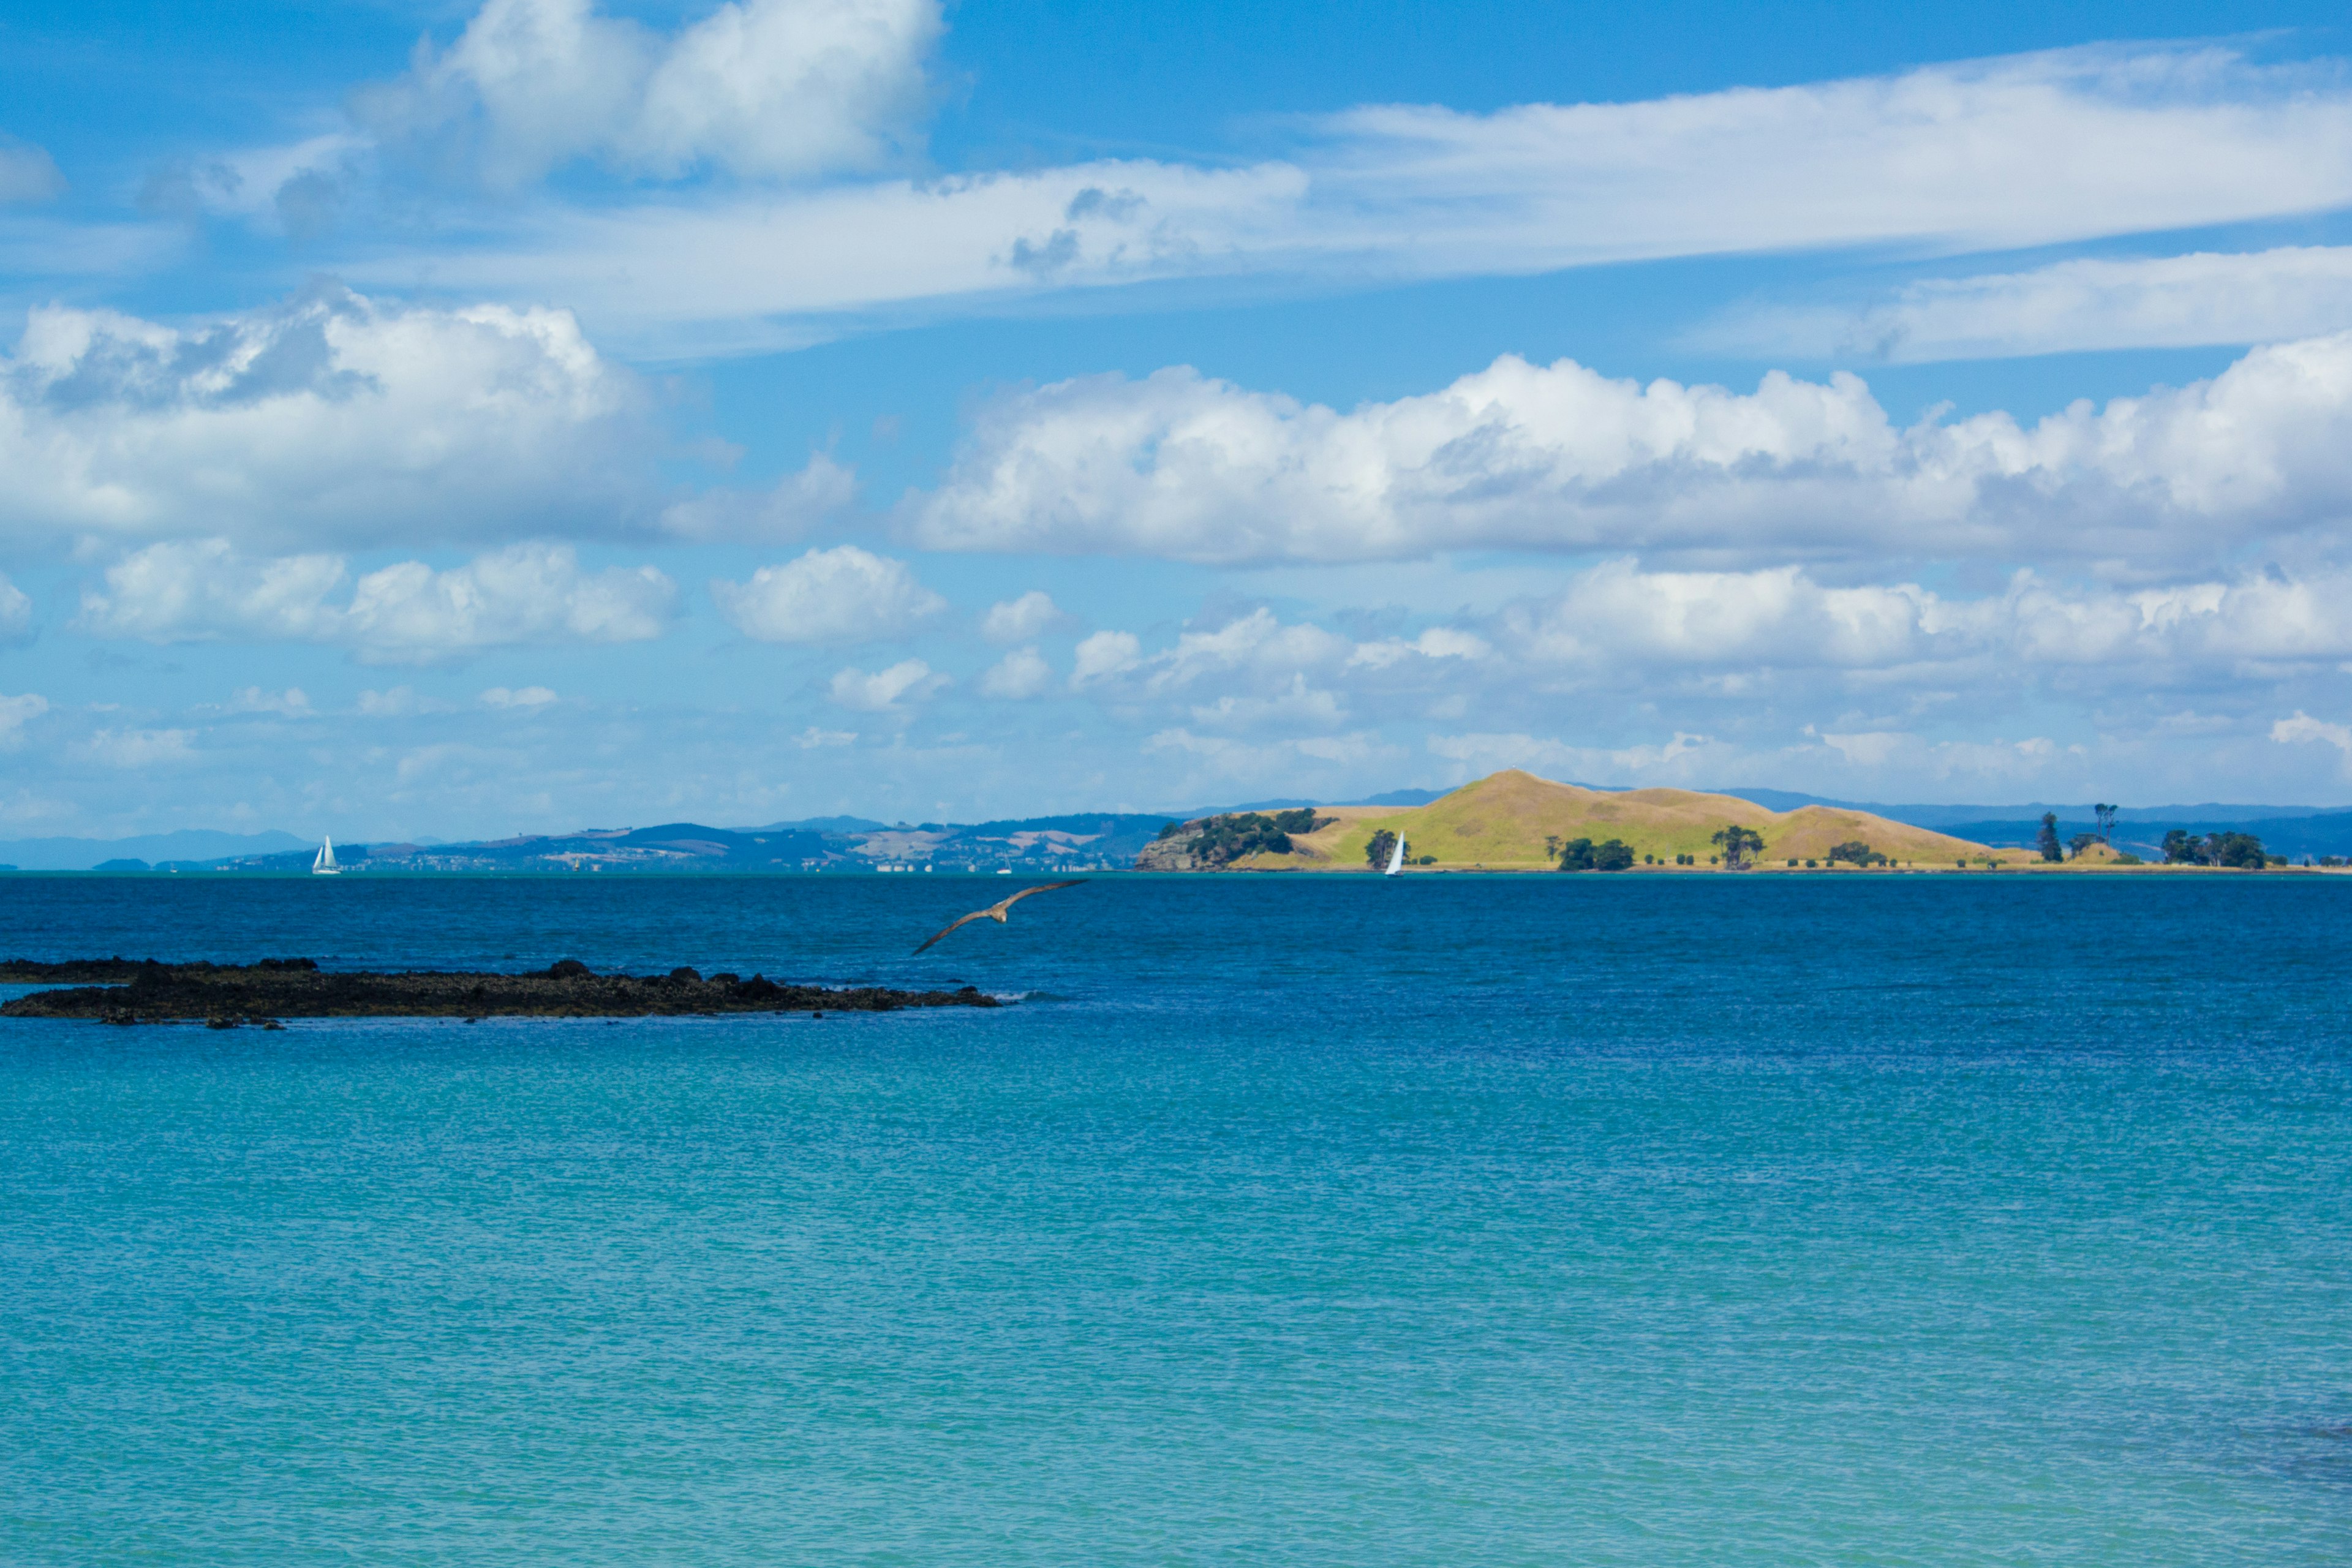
(124, 991)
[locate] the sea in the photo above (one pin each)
(1634, 1219)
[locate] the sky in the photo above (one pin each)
(455, 420)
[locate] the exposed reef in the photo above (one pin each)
(129, 991)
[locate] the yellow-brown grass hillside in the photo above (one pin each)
(1503, 820)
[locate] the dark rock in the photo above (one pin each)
(224, 995)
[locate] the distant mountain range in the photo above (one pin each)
(1046, 842)
(187, 844)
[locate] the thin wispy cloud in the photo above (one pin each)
(1989, 155)
(2164, 301)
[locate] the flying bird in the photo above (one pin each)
(995, 911)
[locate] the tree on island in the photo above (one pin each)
(2047, 841)
(2242, 851)
(1738, 845)
(1377, 853)
(1612, 855)
(1583, 855)
(1854, 852)
(2106, 819)
(2082, 841)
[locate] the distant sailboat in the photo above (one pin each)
(323, 863)
(1396, 858)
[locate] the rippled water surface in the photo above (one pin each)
(1632, 1220)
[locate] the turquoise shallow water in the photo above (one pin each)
(1570, 1220)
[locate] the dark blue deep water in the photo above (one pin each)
(1569, 1220)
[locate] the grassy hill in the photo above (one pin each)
(1502, 822)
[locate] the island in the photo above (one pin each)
(224, 995)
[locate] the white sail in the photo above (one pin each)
(1396, 858)
(323, 863)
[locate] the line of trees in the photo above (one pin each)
(1221, 840)
(2243, 850)
(1583, 855)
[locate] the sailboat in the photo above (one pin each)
(1396, 858)
(323, 863)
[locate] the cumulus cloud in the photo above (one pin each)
(411, 612)
(292, 703)
(16, 713)
(526, 697)
(1483, 752)
(1022, 673)
(1437, 642)
(1617, 616)
(2172, 302)
(335, 417)
(1021, 619)
(765, 89)
(1989, 154)
(910, 680)
(27, 174)
(15, 611)
(134, 748)
(1559, 458)
(764, 517)
(2304, 727)
(1105, 654)
(838, 595)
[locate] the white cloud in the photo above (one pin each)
(838, 595)
(1683, 758)
(1021, 619)
(27, 174)
(335, 417)
(522, 698)
(814, 739)
(292, 703)
(910, 680)
(206, 590)
(1297, 706)
(16, 713)
(1257, 642)
(1559, 458)
(1989, 154)
(1105, 654)
(1022, 673)
(399, 702)
(133, 749)
(15, 610)
(2304, 727)
(2172, 302)
(759, 88)
(764, 517)
(1437, 642)
(1993, 155)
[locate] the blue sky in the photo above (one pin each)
(462, 419)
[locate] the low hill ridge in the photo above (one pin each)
(1503, 820)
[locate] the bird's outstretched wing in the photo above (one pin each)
(1040, 888)
(998, 908)
(975, 915)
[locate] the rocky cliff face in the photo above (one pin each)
(1213, 843)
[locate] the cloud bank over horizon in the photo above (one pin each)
(829, 431)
